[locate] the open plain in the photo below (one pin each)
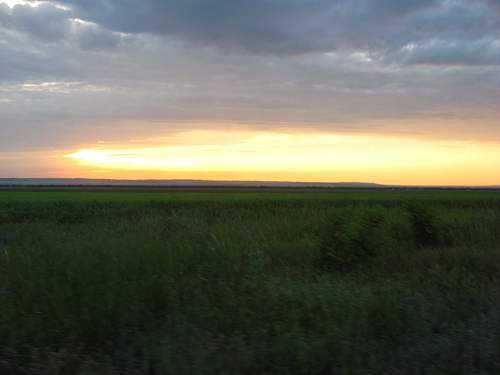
(249, 282)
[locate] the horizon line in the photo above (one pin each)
(201, 182)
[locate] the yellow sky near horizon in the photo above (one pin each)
(288, 156)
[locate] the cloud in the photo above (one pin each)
(121, 68)
(262, 26)
(20, 60)
(4, 13)
(384, 28)
(45, 22)
(495, 3)
(450, 52)
(48, 23)
(90, 36)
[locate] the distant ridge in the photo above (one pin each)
(83, 182)
(175, 183)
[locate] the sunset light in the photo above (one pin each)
(299, 156)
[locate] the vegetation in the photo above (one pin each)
(248, 283)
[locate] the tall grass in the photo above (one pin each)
(250, 287)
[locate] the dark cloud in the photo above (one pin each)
(384, 28)
(94, 37)
(450, 52)
(48, 23)
(495, 3)
(260, 26)
(4, 14)
(45, 22)
(19, 64)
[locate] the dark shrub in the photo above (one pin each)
(351, 239)
(424, 223)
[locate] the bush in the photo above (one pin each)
(424, 223)
(350, 241)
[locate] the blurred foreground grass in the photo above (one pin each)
(200, 283)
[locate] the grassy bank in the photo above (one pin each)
(177, 283)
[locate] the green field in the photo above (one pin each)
(242, 195)
(343, 282)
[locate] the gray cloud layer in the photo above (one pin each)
(47, 23)
(72, 70)
(281, 27)
(410, 32)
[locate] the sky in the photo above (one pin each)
(385, 91)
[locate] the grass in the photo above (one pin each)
(337, 195)
(250, 283)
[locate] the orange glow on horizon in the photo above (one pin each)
(292, 156)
